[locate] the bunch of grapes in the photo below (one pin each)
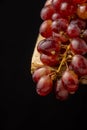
(63, 48)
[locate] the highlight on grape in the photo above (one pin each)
(63, 51)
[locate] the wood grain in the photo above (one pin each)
(35, 62)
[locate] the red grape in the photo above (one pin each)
(70, 80)
(67, 8)
(47, 12)
(44, 85)
(38, 73)
(59, 25)
(45, 28)
(79, 65)
(56, 16)
(79, 22)
(49, 60)
(49, 46)
(73, 30)
(56, 3)
(60, 36)
(82, 11)
(64, 7)
(78, 46)
(60, 91)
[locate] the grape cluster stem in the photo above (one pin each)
(64, 59)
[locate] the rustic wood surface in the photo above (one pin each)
(35, 62)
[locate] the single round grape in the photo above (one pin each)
(70, 80)
(47, 12)
(79, 22)
(45, 28)
(67, 8)
(56, 3)
(59, 25)
(82, 11)
(60, 91)
(78, 46)
(49, 46)
(73, 30)
(79, 65)
(44, 85)
(39, 72)
(49, 60)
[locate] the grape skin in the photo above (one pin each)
(70, 80)
(49, 46)
(49, 60)
(78, 46)
(47, 12)
(38, 73)
(82, 11)
(59, 25)
(73, 30)
(45, 28)
(60, 91)
(79, 22)
(56, 16)
(79, 65)
(44, 85)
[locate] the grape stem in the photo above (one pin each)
(63, 60)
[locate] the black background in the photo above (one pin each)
(20, 106)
